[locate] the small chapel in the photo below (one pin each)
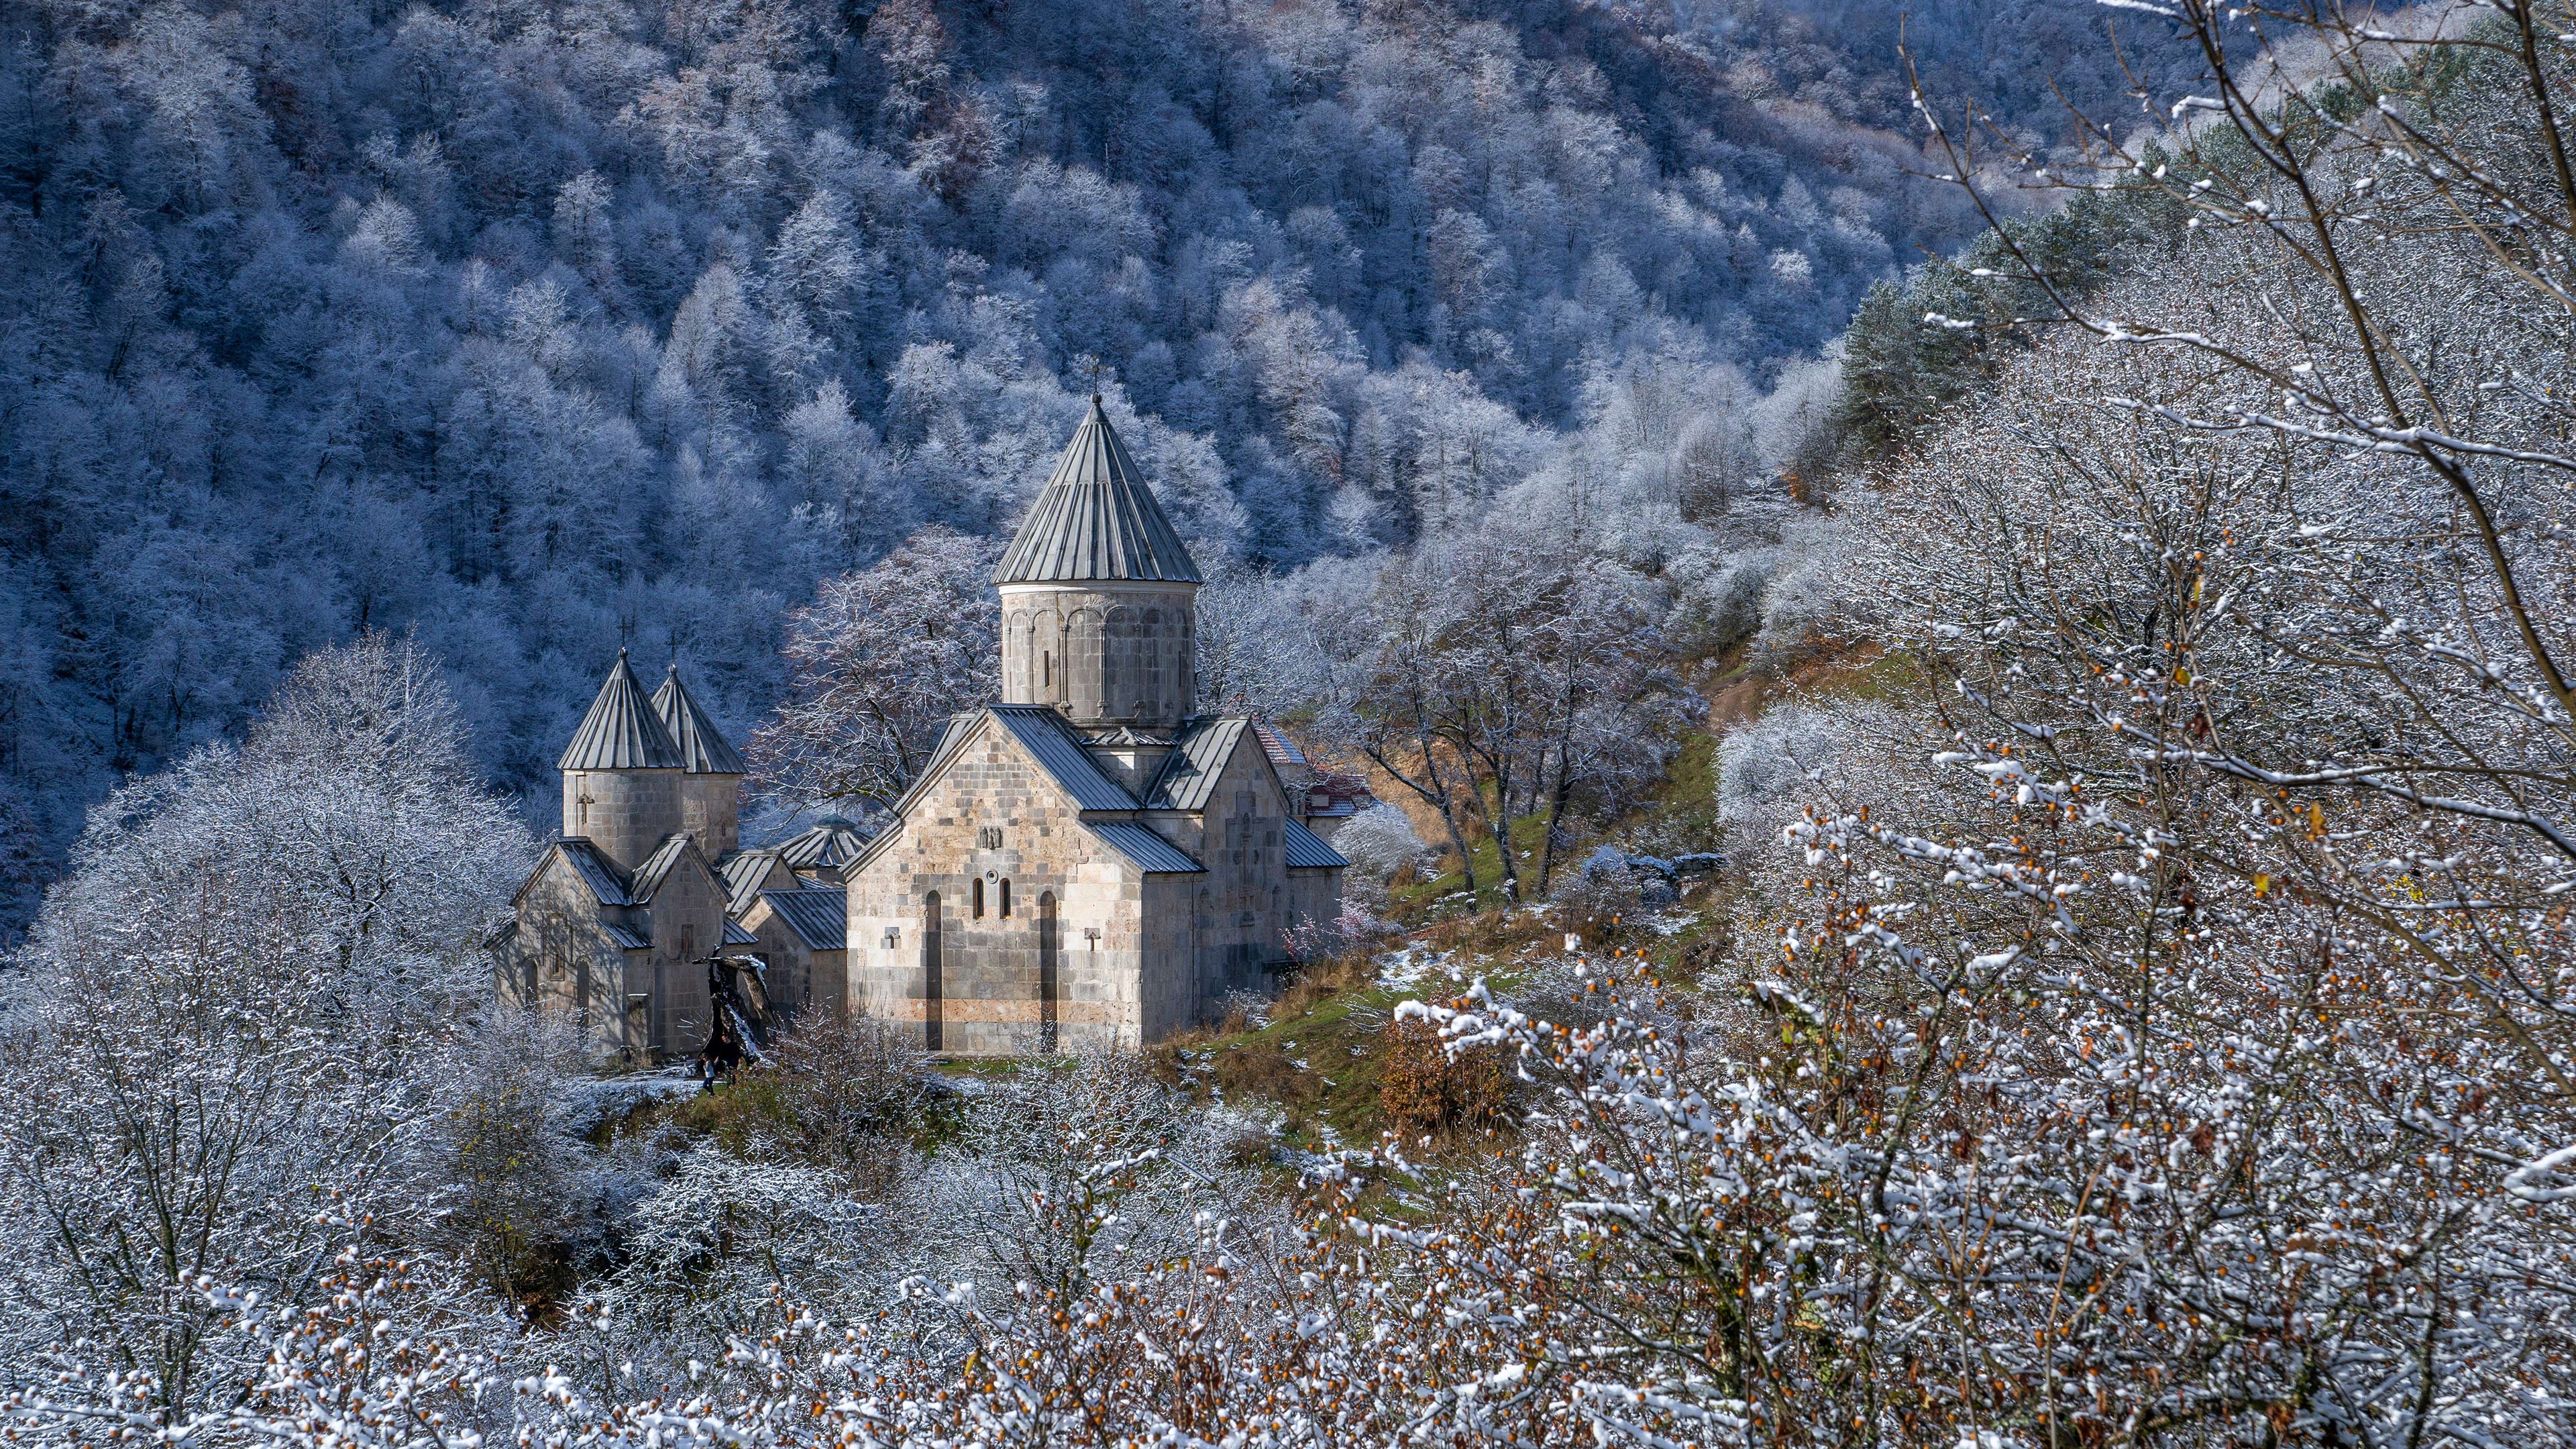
(1085, 863)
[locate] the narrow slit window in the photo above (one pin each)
(978, 906)
(1006, 898)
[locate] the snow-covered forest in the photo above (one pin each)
(1969, 655)
(540, 329)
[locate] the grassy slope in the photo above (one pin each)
(1313, 1066)
(1320, 1057)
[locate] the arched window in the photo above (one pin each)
(1049, 987)
(978, 906)
(933, 1024)
(1020, 636)
(1086, 665)
(1006, 897)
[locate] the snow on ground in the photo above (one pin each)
(593, 1100)
(1405, 967)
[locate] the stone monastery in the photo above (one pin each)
(1084, 863)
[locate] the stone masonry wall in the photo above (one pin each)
(1240, 909)
(711, 809)
(623, 812)
(687, 922)
(562, 962)
(1104, 654)
(994, 816)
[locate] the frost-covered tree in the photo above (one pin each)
(236, 1027)
(882, 659)
(535, 336)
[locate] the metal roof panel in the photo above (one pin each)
(833, 842)
(1059, 751)
(1189, 773)
(1151, 853)
(622, 730)
(657, 868)
(1305, 850)
(1096, 519)
(702, 745)
(819, 917)
(597, 871)
(743, 873)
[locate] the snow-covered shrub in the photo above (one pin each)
(1380, 841)
(1354, 928)
(716, 1253)
(514, 1138)
(1722, 604)
(851, 1089)
(1061, 1173)
(1800, 601)
(1765, 767)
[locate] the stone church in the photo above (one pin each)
(1086, 862)
(614, 925)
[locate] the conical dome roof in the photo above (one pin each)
(701, 744)
(622, 731)
(832, 842)
(1096, 519)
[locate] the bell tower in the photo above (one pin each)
(1099, 597)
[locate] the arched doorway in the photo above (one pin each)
(930, 1013)
(1047, 984)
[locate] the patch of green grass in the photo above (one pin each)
(1429, 899)
(1887, 678)
(1336, 1025)
(736, 1114)
(1680, 816)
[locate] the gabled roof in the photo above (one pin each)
(1058, 750)
(622, 731)
(702, 745)
(1283, 751)
(1151, 853)
(1096, 519)
(737, 934)
(1305, 850)
(833, 841)
(1049, 740)
(820, 918)
(658, 866)
(1190, 771)
(627, 936)
(743, 874)
(597, 871)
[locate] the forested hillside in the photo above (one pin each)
(1999, 883)
(535, 330)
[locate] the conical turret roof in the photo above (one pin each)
(1096, 519)
(622, 730)
(701, 744)
(833, 841)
